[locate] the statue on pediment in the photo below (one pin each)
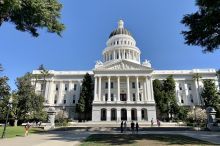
(147, 63)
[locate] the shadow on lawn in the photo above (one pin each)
(119, 139)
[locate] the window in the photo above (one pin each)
(180, 87)
(55, 101)
(134, 99)
(139, 85)
(117, 56)
(106, 85)
(117, 42)
(182, 101)
(140, 96)
(106, 97)
(191, 98)
(112, 97)
(57, 87)
(74, 101)
(75, 86)
(66, 87)
(64, 101)
(41, 87)
(125, 42)
(189, 87)
(133, 84)
(112, 85)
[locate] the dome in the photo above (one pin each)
(120, 30)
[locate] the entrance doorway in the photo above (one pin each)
(123, 114)
(133, 114)
(103, 114)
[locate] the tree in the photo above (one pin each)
(210, 94)
(84, 105)
(197, 77)
(26, 103)
(30, 15)
(165, 97)
(4, 95)
(204, 25)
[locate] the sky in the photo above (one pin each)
(155, 25)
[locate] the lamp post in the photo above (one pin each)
(63, 115)
(6, 121)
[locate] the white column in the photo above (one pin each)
(118, 114)
(59, 99)
(119, 54)
(95, 90)
(109, 87)
(118, 78)
(138, 114)
(128, 89)
(100, 87)
(114, 55)
(137, 88)
(152, 90)
(108, 114)
(128, 114)
(145, 91)
(197, 93)
(148, 89)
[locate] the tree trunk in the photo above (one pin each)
(16, 122)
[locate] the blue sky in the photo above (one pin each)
(155, 25)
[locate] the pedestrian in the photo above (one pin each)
(137, 126)
(121, 126)
(132, 127)
(125, 126)
(152, 122)
(27, 127)
(158, 123)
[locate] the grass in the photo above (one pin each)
(18, 131)
(141, 140)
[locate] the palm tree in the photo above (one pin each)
(197, 77)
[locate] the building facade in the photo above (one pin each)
(123, 88)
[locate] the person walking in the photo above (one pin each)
(137, 126)
(121, 126)
(152, 122)
(158, 123)
(132, 127)
(125, 126)
(27, 127)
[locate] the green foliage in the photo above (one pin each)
(203, 25)
(84, 105)
(30, 15)
(26, 103)
(210, 94)
(165, 98)
(182, 114)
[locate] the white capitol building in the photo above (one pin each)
(123, 87)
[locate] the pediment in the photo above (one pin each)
(121, 65)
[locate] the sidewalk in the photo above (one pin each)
(72, 138)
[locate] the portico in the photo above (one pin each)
(123, 86)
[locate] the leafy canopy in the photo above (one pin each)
(30, 15)
(204, 25)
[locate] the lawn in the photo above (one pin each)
(141, 140)
(18, 131)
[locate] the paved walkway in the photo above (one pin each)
(72, 138)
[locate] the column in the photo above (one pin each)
(108, 114)
(118, 78)
(137, 88)
(197, 93)
(152, 90)
(119, 54)
(138, 114)
(128, 114)
(59, 99)
(109, 87)
(145, 90)
(128, 89)
(118, 114)
(95, 90)
(100, 87)
(114, 55)
(148, 89)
